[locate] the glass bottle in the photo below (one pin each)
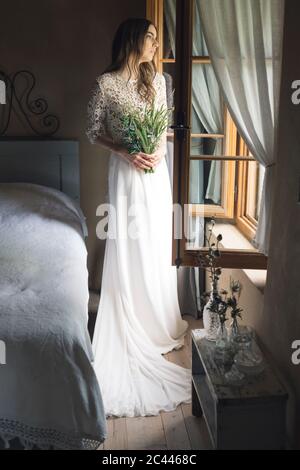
(222, 336)
(234, 331)
(222, 354)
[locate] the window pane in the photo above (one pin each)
(205, 181)
(251, 189)
(207, 111)
(194, 231)
(169, 74)
(199, 44)
(261, 173)
(198, 225)
(206, 146)
(255, 176)
(169, 27)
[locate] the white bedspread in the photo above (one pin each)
(49, 394)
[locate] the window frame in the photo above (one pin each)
(237, 163)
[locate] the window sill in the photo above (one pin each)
(234, 239)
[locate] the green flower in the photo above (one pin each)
(143, 130)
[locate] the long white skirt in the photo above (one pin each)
(138, 316)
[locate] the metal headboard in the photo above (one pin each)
(39, 158)
(27, 107)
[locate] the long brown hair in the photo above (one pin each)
(129, 39)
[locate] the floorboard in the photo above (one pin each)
(173, 430)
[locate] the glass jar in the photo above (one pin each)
(248, 359)
(241, 336)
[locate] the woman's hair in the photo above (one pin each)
(129, 39)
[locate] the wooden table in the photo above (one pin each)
(249, 416)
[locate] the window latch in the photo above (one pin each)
(180, 127)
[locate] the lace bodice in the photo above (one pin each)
(111, 95)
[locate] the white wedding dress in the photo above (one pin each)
(138, 316)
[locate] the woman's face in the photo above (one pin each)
(150, 44)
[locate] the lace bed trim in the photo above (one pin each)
(45, 438)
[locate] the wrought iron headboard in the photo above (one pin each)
(39, 158)
(28, 107)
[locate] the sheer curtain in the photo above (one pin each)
(207, 117)
(207, 110)
(189, 280)
(244, 40)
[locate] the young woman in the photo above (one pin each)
(138, 316)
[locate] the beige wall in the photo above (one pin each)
(66, 44)
(280, 322)
(276, 314)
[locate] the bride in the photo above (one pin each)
(138, 317)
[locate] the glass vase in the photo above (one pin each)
(223, 353)
(211, 321)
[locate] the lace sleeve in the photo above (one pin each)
(96, 112)
(161, 100)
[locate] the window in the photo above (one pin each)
(214, 173)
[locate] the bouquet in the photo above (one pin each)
(143, 130)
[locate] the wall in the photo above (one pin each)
(277, 321)
(66, 44)
(280, 322)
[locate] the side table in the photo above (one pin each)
(249, 416)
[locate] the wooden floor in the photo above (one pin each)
(174, 430)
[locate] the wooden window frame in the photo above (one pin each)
(247, 225)
(180, 254)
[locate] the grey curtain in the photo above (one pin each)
(244, 39)
(190, 281)
(205, 177)
(207, 112)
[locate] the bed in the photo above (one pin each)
(49, 394)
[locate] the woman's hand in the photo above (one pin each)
(146, 160)
(140, 160)
(155, 158)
